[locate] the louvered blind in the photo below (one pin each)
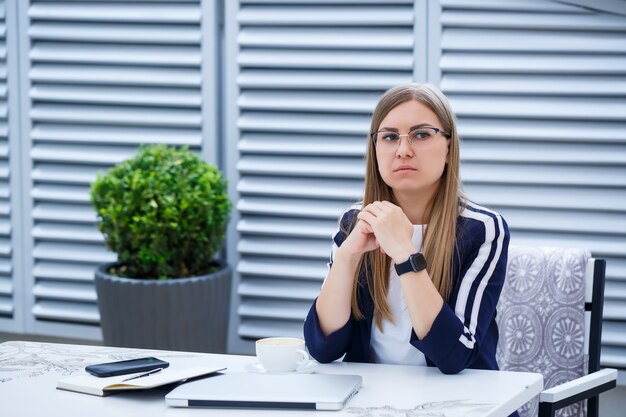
(309, 75)
(104, 77)
(539, 88)
(7, 129)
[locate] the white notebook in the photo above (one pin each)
(275, 391)
(93, 385)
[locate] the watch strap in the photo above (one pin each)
(415, 263)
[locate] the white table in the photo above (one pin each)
(29, 372)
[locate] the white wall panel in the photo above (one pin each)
(539, 90)
(307, 79)
(100, 79)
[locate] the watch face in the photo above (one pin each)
(417, 262)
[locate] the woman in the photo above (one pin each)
(416, 270)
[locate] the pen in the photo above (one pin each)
(154, 371)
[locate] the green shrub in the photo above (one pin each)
(164, 212)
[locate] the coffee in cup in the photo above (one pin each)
(281, 354)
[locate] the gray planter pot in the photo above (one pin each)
(188, 314)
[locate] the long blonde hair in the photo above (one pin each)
(441, 215)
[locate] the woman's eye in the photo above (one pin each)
(390, 137)
(421, 134)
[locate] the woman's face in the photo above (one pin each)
(416, 168)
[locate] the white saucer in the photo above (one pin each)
(306, 368)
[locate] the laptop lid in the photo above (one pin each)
(284, 391)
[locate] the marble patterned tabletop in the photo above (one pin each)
(29, 371)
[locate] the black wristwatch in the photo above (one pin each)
(415, 263)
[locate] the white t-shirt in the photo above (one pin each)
(392, 344)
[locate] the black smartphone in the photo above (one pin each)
(126, 367)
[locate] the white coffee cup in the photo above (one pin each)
(281, 354)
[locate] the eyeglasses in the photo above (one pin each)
(419, 138)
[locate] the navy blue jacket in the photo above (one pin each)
(464, 333)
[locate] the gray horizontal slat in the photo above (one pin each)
(115, 33)
(566, 198)
(5, 227)
(110, 95)
(302, 166)
(525, 5)
(555, 153)
(72, 213)
(614, 310)
(5, 207)
(4, 130)
(302, 187)
(277, 143)
(6, 266)
(6, 249)
(5, 193)
(320, 79)
(70, 312)
(66, 233)
(282, 290)
(116, 115)
(286, 310)
(251, 225)
(335, 38)
(85, 253)
(178, 56)
(309, 209)
(301, 269)
(614, 357)
(532, 63)
(325, 102)
(116, 75)
(74, 154)
(69, 194)
(502, 173)
(6, 306)
(484, 19)
(525, 84)
(328, 59)
(483, 106)
(256, 329)
(465, 40)
(304, 123)
(51, 173)
(63, 291)
(614, 334)
(284, 247)
(616, 269)
(615, 290)
(325, 2)
(534, 131)
(563, 221)
(64, 271)
(4, 150)
(116, 12)
(128, 135)
(384, 15)
(600, 245)
(6, 286)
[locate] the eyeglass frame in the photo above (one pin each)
(437, 130)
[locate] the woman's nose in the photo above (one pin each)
(405, 148)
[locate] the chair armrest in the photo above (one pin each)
(581, 388)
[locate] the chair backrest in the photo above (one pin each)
(550, 317)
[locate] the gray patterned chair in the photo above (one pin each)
(550, 321)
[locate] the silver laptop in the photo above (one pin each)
(249, 390)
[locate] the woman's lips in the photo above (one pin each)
(404, 169)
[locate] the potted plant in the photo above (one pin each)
(164, 213)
